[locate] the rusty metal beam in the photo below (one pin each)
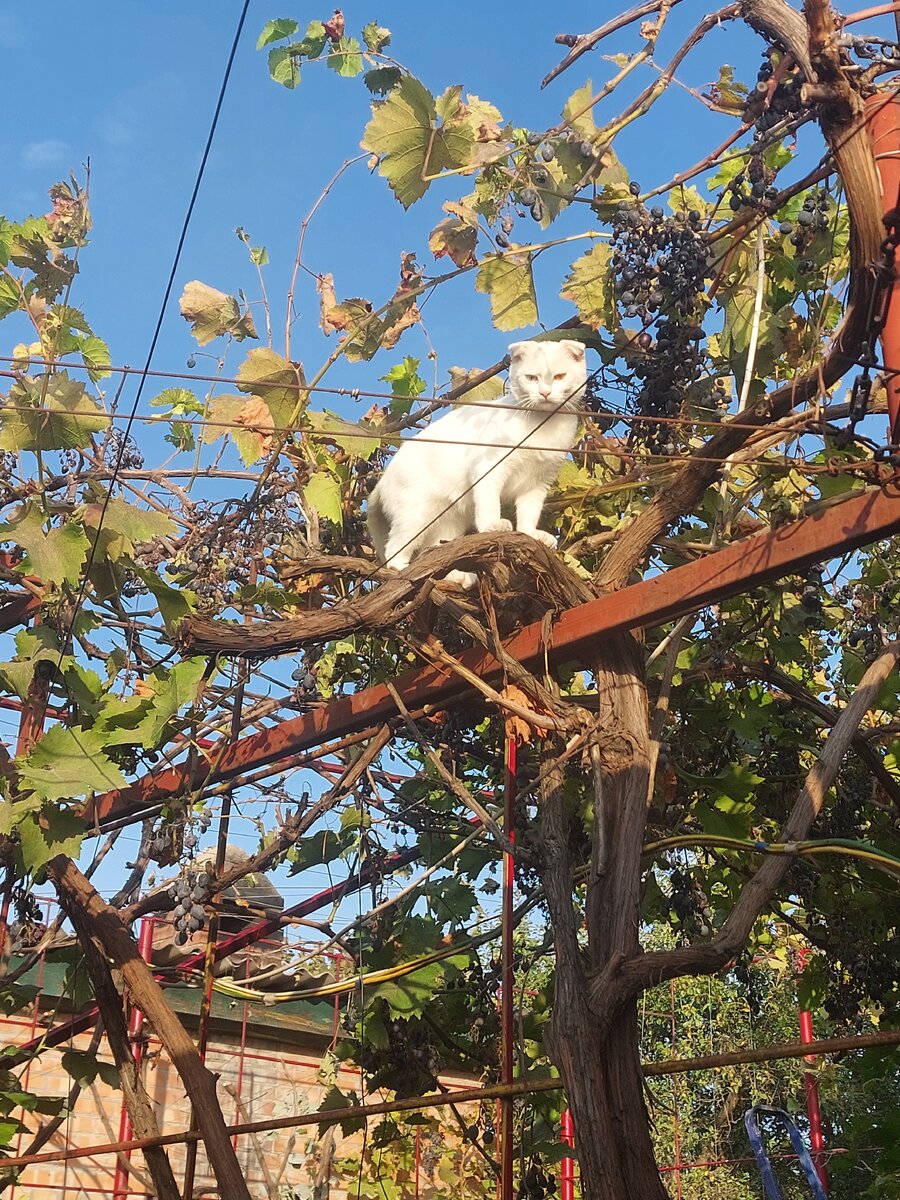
(745, 564)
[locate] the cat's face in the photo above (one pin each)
(547, 375)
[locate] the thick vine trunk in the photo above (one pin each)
(599, 1059)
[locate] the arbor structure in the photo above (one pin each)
(640, 778)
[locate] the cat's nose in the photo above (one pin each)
(545, 392)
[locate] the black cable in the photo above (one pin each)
(117, 465)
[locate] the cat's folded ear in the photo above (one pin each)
(517, 349)
(575, 349)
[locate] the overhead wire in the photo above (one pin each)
(143, 373)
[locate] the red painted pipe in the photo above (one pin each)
(567, 1167)
(813, 1110)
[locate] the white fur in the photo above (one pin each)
(462, 462)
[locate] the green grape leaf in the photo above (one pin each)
(275, 30)
(379, 81)
(126, 526)
(405, 134)
(68, 762)
(376, 37)
(56, 555)
(405, 379)
(55, 831)
(345, 58)
(578, 112)
(352, 439)
(284, 68)
(589, 285)
(63, 418)
(212, 313)
(509, 282)
(323, 492)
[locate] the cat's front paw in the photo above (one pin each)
(545, 538)
(499, 526)
(466, 579)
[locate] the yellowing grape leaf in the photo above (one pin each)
(517, 728)
(589, 286)
(405, 133)
(509, 282)
(212, 313)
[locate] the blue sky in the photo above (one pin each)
(136, 94)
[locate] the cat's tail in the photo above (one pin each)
(378, 524)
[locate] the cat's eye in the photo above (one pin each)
(559, 376)
(531, 378)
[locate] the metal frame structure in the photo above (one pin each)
(751, 562)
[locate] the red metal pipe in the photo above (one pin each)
(746, 563)
(813, 1110)
(121, 1179)
(883, 120)
(507, 977)
(567, 1167)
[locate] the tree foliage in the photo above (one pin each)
(698, 300)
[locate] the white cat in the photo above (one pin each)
(453, 477)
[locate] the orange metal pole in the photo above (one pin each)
(883, 120)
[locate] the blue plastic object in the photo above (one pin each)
(754, 1133)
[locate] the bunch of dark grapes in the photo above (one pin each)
(812, 221)
(189, 892)
(409, 1064)
(661, 264)
(28, 928)
(785, 101)
(866, 637)
(119, 443)
(536, 1183)
(305, 690)
(861, 967)
(8, 463)
(811, 594)
(752, 187)
(69, 461)
(690, 904)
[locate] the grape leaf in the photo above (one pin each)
(284, 68)
(273, 31)
(212, 313)
(509, 282)
(345, 58)
(405, 134)
(277, 381)
(67, 763)
(63, 418)
(126, 526)
(379, 81)
(352, 439)
(323, 492)
(376, 37)
(589, 286)
(56, 555)
(456, 239)
(578, 113)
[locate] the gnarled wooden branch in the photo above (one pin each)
(386, 606)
